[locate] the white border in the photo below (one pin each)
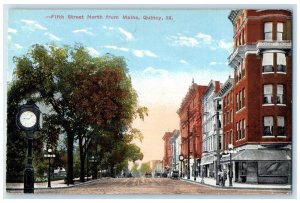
(152, 4)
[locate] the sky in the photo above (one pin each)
(164, 51)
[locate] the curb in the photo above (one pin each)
(52, 188)
(229, 188)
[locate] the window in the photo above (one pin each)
(244, 97)
(228, 117)
(244, 128)
(279, 31)
(243, 70)
(240, 72)
(267, 62)
(231, 117)
(268, 94)
(241, 130)
(268, 126)
(280, 126)
(231, 137)
(280, 94)
(281, 62)
(241, 99)
(237, 102)
(237, 131)
(268, 31)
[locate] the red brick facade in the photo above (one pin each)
(167, 160)
(249, 30)
(262, 122)
(192, 107)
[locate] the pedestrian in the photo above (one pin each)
(221, 177)
(225, 177)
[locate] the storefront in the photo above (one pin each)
(261, 166)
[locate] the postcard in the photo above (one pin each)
(146, 101)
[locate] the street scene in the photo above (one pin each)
(101, 102)
(155, 186)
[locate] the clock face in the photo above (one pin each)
(28, 119)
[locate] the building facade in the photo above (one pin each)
(262, 63)
(190, 114)
(176, 150)
(167, 160)
(226, 93)
(209, 137)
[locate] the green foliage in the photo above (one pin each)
(87, 97)
(145, 167)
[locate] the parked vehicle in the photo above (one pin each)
(148, 175)
(175, 174)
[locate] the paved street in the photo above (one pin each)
(151, 186)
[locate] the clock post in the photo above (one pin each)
(29, 119)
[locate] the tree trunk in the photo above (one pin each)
(70, 177)
(112, 165)
(82, 159)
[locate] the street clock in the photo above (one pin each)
(181, 157)
(29, 117)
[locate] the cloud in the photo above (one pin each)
(184, 41)
(116, 48)
(128, 35)
(18, 46)
(142, 53)
(84, 30)
(150, 53)
(11, 30)
(92, 51)
(225, 45)
(33, 25)
(183, 61)
(155, 71)
(52, 36)
(205, 38)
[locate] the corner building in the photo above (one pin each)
(262, 62)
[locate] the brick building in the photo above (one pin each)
(190, 114)
(262, 93)
(226, 93)
(167, 160)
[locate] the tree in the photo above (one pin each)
(87, 98)
(145, 167)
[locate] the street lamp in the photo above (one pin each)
(49, 156)
(181, 159)
(94, 160)
(231, 151)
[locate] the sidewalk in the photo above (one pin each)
(44, 185)
(235, 185)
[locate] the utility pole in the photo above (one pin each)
(217, 169)
(188, 136)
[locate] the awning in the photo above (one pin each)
(260, 155)
(207, 160)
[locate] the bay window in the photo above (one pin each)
(267, 62)
(281, 62)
